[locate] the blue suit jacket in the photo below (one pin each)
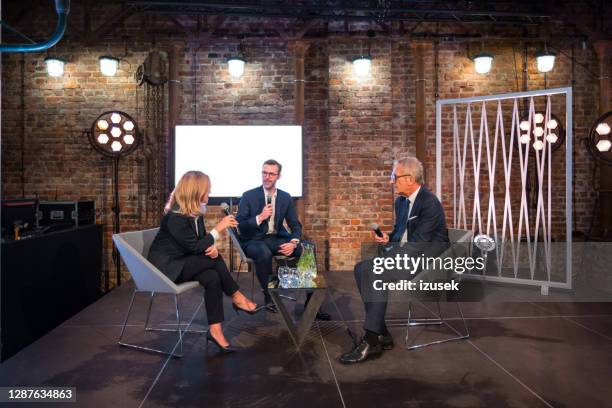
(427, 222)
(251, 204)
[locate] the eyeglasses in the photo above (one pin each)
(266, 174)
(394, 177)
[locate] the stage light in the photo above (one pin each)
(603, 145)
(115, 118)
(103, 138)
(603, 129)
(483, 62)
(102, 124)
(552, 124)
(116, 146)
(524, 125)
(361, 66)
(538, 145)
(108, 65)
(129, 126)
(524, 139)
(55, 66)
(128, 139)
(235, 66)
(551, 138)
(538, 132)
(545, 61)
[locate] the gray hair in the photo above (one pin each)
(413, 166)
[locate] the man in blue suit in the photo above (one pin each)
(261, 214)
(419, 221)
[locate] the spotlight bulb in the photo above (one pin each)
(524, 125)
(604, 145)
(551, 138)
(552, 124)
(538, 118)
(603, 128)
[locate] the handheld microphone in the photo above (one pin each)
(225, 208)
(268, 200)
(376, 229)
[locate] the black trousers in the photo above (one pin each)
(262, 251)
(216, 279)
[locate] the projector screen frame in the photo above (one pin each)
(232, 200)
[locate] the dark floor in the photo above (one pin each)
(519, 355)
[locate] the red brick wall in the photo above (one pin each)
(353, 128)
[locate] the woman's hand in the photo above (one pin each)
(212, 251)
(227, 221)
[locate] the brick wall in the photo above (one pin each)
(353, 128)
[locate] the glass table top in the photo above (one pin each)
(318, 282)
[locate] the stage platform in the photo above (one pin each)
(519, 355)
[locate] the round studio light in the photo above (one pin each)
(108, 65)
(115, 131)
(552, 124)
(603, 129)
(109, 134)
(483, 63)
(102, 124)
(103, 138)
(545, 61)
(55, 66)
(551, 138)
(603, 145)
(235, 66)
(361, 66)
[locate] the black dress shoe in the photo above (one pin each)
(323, 316)
(386, 341)
(362, 352)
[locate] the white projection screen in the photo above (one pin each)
(233, 155)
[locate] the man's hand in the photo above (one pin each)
(212, 251)
(382, 240)
(265, 213)
(287, 248)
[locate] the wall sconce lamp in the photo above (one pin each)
(55, 66)
(545, 60)
(108, 65)
(483, 62)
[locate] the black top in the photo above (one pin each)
(176, 240)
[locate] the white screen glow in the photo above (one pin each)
(232, 156)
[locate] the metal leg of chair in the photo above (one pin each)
(126, 317)
(251, 268)
(178, 322)
(459, 336)
(149, 311)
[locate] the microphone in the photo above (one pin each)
(268, 200)
(374, 226)
(225, 208)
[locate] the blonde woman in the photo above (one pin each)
(184, 251)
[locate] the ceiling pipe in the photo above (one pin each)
(62, 7)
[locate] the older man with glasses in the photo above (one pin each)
(419, 219)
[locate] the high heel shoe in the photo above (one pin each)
(224, 350)
(251, 312)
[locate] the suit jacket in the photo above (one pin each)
(426, 223)
(176, 241)
(251, 204)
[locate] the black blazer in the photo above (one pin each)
(427, 222)
(176, 240)
(251, 204)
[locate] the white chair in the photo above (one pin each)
(464, 239)
(134, 248)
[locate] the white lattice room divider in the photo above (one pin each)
(525, 254)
